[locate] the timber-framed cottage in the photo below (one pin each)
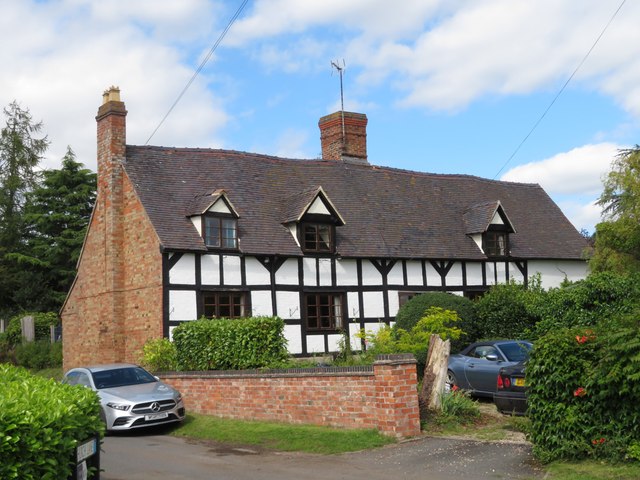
(329, 244)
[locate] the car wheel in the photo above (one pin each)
(450, 382)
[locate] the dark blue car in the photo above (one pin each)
(475, 369)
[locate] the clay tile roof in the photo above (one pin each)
(387, 213)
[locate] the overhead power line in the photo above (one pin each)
(560, 91)
(200, 67)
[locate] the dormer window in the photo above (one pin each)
(495, 243)
(488, 225)
(216, 220)
(220, 231)
(318, 237)
(312, 220)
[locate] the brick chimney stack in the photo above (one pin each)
(348, 143)
(108, 217)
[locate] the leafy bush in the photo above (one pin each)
(412, 311)
(222, 344)
(584, 388)
(436, 321)
(584, 303)
(41, 423)
(509, 310)
(39, 354)
(159, 355)
(458, 403)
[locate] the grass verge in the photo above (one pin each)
(592, 470)
(280, 436)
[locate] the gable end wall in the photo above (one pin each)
(102, 323)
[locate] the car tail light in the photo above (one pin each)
(503, 382)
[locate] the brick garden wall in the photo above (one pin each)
(383, 397)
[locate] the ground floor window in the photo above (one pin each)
(324, 311)
(404, 297)
(225, 304)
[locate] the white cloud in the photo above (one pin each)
(64, 54)
(444, 55)
(579, 171)
(582, 215)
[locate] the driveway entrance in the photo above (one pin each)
(163, 457)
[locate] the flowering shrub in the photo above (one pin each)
(584, 388)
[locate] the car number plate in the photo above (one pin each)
(156, 416)
(86, 450)
(519, 382)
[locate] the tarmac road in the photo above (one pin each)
(163, 457)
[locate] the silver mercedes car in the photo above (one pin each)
(130, 396)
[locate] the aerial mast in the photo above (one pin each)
(340, 69)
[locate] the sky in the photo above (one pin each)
(516, 90)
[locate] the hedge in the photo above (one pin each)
(584, 392)
(41, 423)
(223, 344)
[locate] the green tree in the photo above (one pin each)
(509, 310)
(617, 245)
(56, 215)
(20, 153)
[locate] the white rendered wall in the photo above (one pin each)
(373, 304)
(184, 272)
(414, 273)
(334, 342)
(353, 304)
(315, 343)
(394, 302)
(210, 269)
(287, 274)
(554, 272)
(261, 303)
(309, 272)
(231, 268)
(318, 207)
(324, 266)
(288, 304)
(293, 334)
(182, 305)
(396, 276)
(474, 273)
(454, 277)
(256, 273)
(354, 329)
(346, 272)
(433, 277)
(370, 274)
(515, 273)
(197, 222)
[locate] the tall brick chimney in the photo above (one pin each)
(343, 136)
(111, 120)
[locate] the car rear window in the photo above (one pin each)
(516, 351)
(120, 377)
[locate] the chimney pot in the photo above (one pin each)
(112, 94)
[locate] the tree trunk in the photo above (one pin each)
(435, 372)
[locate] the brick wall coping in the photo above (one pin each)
(360, 370)
(355, 370)
(395, 359)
